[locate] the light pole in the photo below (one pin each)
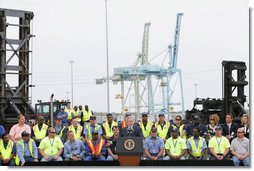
(71, 62)
(106, 17)
(195, 89)
(67, 92)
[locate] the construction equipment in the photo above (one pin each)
(15, 62)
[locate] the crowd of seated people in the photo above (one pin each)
(73, 139)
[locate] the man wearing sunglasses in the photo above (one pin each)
(240, 148)
(180, 126)
(51, 147)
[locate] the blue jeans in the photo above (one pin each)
(11, 163)
(51, 158)
(100, 158)
(236, 161)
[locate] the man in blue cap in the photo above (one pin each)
(96, 148)
(154, 146)
(63, 116)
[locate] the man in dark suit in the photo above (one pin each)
(131, 130)
(230, 128)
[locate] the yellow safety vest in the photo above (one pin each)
(76, 114)
(181, 131)
(146, 131)
(69, 111)
(89, 134)
(86, 115)
(61, 132)
(108, 129)
(162, 132)
(40, 134)
(30, 145)
(6, 153)
(77, 133)
(196, 152)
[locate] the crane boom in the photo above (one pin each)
(145, 44)
(176, 40)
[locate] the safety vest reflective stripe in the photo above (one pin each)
(108, 130)
(88, 127)
(60, 134)
(86, 115)
(196, 152)
(162, 132)
(124, 124)
(146, 132)
(181, 131)
(96, 150)
(6, 153)
(77, 133)
(40, 134)
(30, 145)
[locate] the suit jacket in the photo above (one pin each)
(136, 132)
(233, 128)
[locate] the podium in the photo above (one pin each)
(129, 150)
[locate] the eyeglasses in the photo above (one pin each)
(177, 119)
(239, 132)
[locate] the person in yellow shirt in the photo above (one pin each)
(77, 114)
(175, 146)
(7, 151)
(39, 130)
(51, 147)
(219, 145)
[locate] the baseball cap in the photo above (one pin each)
(95, 132)
(154, 129)
(144, 114)
(58, 118)
(218, 127)
(196, 117)
(25, 134)
(93, 117)
(174, 130)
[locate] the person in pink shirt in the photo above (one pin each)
(17, 129)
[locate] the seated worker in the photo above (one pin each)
(175, 146)
(154, 146)
(7, 151)
(96, 148)
(240, 148)
(74, 149)
(145, 125)
(196, 146)
(112, 144)
(108, 125)
(76, 128)
(27, 150)
(162, 126)
(90, 127)
(17, 129)
(51, 147)
(219, 145)
(39, 130)
(61, 130)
